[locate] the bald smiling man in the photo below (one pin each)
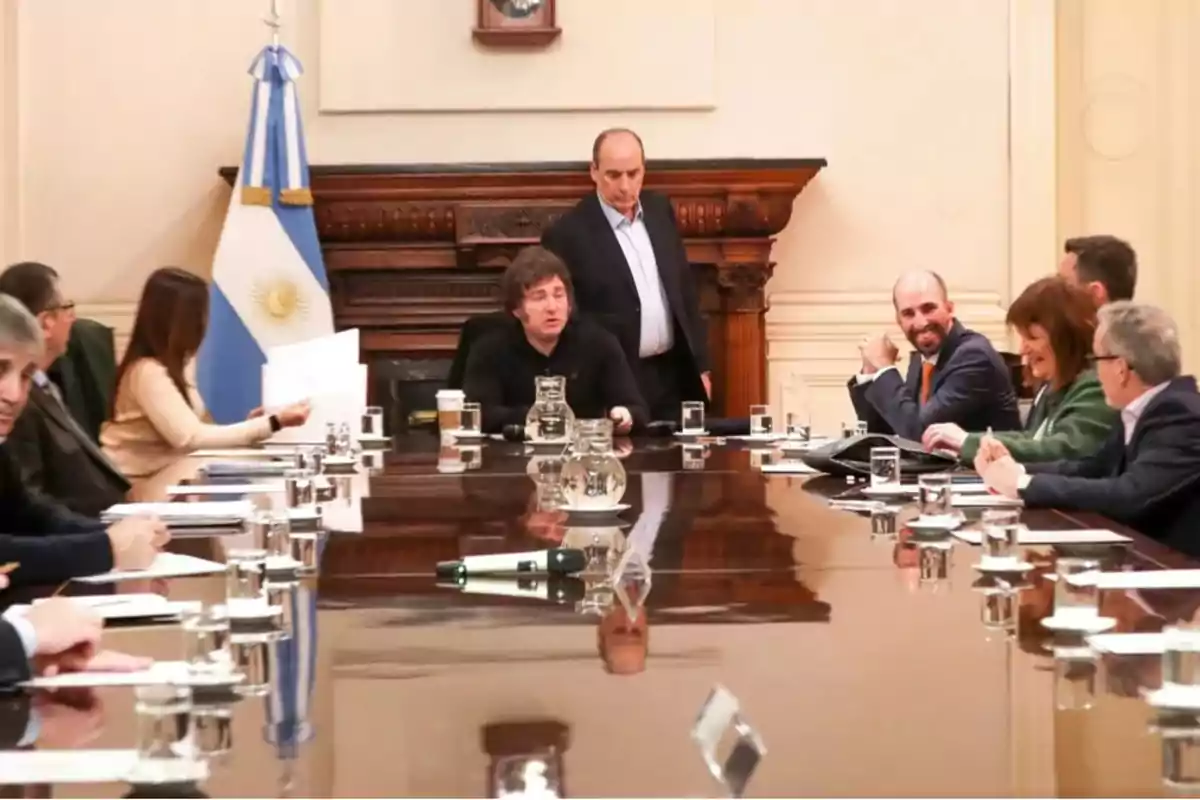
(955, 375)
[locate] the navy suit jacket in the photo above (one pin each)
(1152, 484)
(50, 543)
(14, 667)
(971, 387)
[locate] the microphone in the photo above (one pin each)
(554, 588)
(559, 560)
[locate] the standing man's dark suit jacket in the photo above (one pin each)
(971, 387)
(87, 374)
(604, 287)
(1152, 484)
(50, 543)
(56, 458)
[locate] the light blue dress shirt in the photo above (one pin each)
(657, 334)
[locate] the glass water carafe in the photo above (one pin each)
(593, 477)
(550, 419)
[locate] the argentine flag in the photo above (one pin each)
(269, 286)
(293, 669)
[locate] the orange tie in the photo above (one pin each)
(926, 380)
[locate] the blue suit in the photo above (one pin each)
(971, 387)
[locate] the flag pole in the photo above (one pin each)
(274, 24)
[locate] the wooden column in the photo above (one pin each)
(413, 250)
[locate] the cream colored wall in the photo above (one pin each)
(939, 123)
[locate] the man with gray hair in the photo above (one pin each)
(40, 541)
(1147, 474)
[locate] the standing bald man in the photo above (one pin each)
(955, 375)
(631, 274)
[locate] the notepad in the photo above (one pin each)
(251, 468)
(123, 606)
(165, 565)
(278, 453)
(205, 514)
(790, 468)
(1052, 537)
(161, 672)
(224, 489)
(965, 499)
(65, 766)
(1128, 644)
(1146, 579)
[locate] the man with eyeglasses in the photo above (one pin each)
(1147, 474)
(56, 457)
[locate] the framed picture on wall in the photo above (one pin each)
(516, 23)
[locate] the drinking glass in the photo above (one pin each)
(449, 410)
(1181, 761)
(1181, 657)
(885, 466)
(694, 455)
(860, 428)
(761, 423)
(1074, 595)
(934, 495)
(309, 459)
(798, 426)
(1075, 673)
(472, 418)
(206, 641)
(298, 488)
(999, 611)
(164, 731)
(305, 550)
(212, 729)
(1001, 534)
(849, 429)
(372, 422)
(692, 417)
(244, 587)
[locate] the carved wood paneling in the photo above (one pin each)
(412, 251)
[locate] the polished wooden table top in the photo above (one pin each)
(867, 663)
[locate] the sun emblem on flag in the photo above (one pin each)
(280, 300)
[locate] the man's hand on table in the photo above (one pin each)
(136, 541)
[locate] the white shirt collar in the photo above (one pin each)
(1131, 413)
(614, 217)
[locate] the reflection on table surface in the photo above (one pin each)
(864, 662)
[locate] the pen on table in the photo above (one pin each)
(9, 567)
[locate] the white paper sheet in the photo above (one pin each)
(225, 489)
(160, 672)
(223, 509)
(1128, 644)
(277, 453)
(1147, 579)
(1052, 537)
(123, 606)
(166, 565)
(65, 766)
(790, 468)
(983, 500)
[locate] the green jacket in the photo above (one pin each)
(1077, 421)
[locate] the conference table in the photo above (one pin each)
(770, 644)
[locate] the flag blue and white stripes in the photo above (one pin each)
(269, 285)
(294, 662)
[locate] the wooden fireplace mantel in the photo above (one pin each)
(413, 250)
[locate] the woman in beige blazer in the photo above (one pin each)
(158, 416)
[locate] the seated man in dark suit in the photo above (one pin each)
(1147, 473)
(544, 338)
(47, 542)
(58, 635)
(631, 273)
(955, 375)
(55, 455)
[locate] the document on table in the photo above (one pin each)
(276, 453)
(65, 766)
(161, 672)
(165, 565)
(140, 605)
(790, 468)
(1052, 537)
(1144, 579)
(1128, 644)
(213, 512)
(224, 489)
(965, 499)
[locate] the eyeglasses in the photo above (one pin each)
(66, 305)
(1093, 359)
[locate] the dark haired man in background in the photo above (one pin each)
(1104, 265)
(55, 456)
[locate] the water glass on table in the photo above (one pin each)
(472, 419)
(1181, 658)
(372, 422)
(761, 423)
(691, 418)
(449, 410)
(299, 490)
(206, 642)
(885, 466)
(1075, 597)
(164, 733)
(797, 426)
(934, 495)
(1000, 531)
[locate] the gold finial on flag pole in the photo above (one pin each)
(273, 23)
